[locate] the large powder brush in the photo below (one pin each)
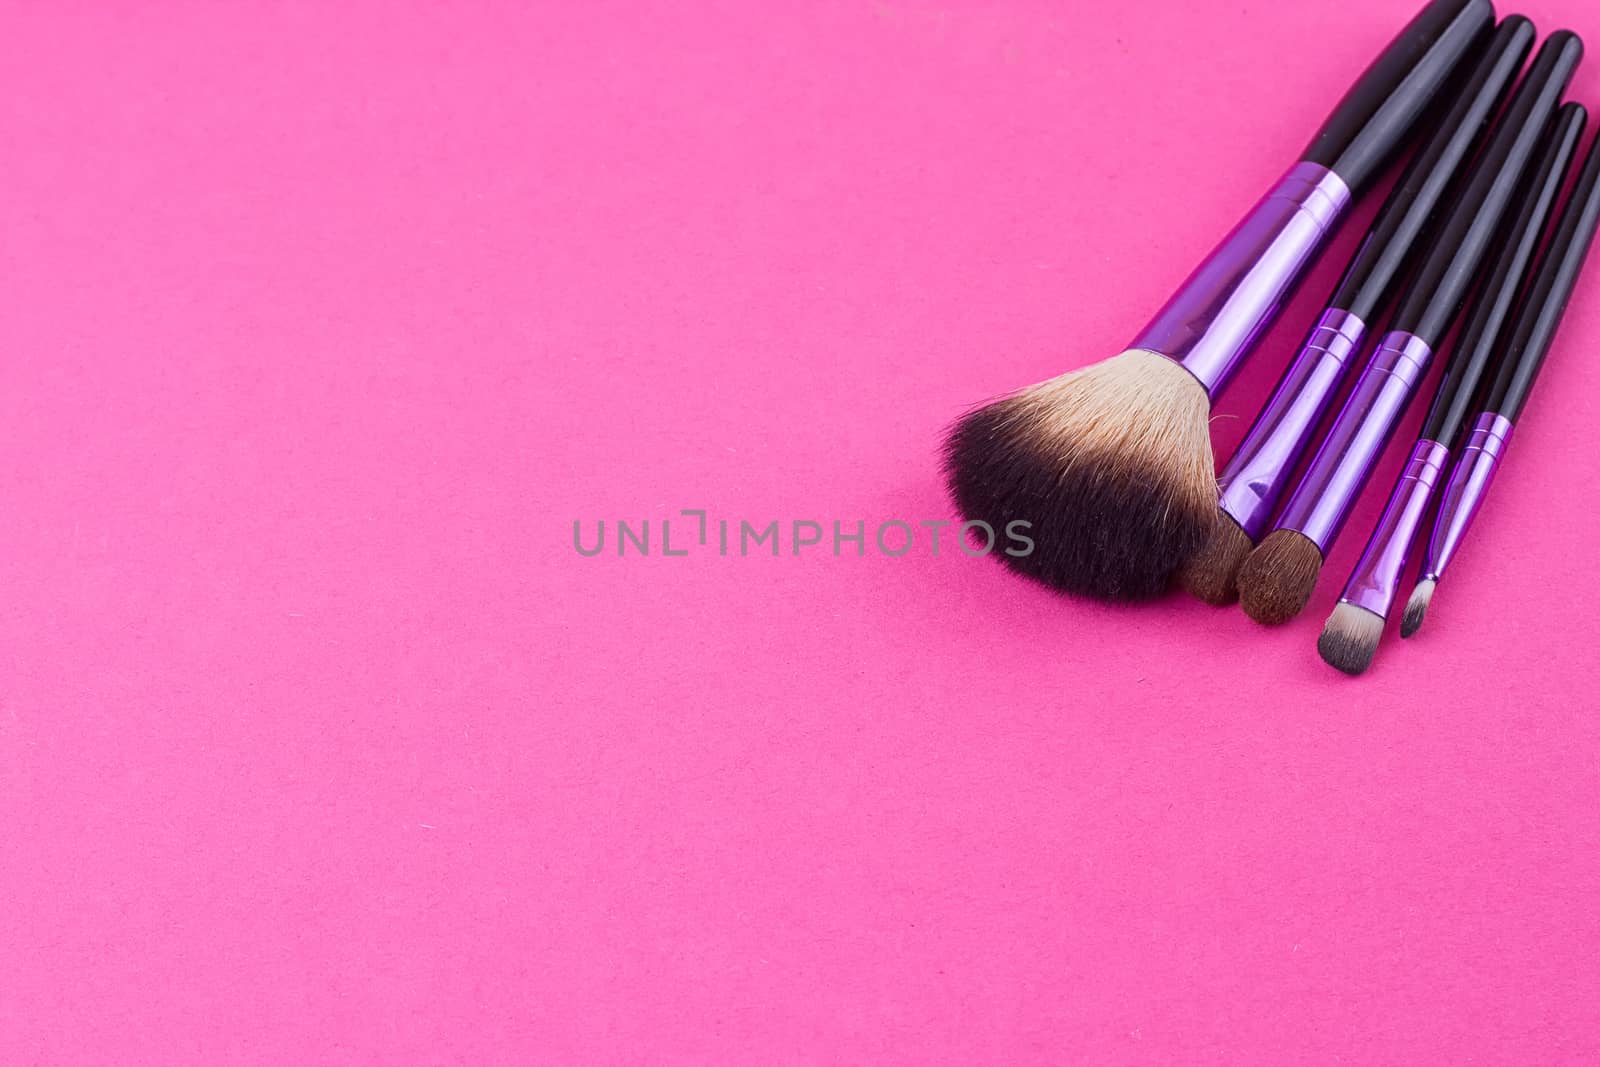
(1112, 464)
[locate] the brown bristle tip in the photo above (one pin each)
(1350, 638)
(1212, 574)
(1417, 607)
(1278, 578)
(1110, 465)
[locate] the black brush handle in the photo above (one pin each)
(1371, 278)
(1487, 329)
(1549, 294)
(1441, 284)
(1377, 116)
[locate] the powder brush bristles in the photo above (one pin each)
(1278, 578)
(1417, 607)
(1112, 466)
(1350, 638)
(1212, 574)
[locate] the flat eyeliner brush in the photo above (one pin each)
(1350, 639)
(1537, 323)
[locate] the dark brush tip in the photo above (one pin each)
(1278, 578)
(1416, 608)
(1102, 526)
(1212, 575)
(1350, 639)
(1110, 467)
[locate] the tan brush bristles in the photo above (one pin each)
(1350, 638)
(1213, 573)
(1278, 578)
(1111, 465)
(1417, 607)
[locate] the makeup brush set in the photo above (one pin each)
(1112, 464)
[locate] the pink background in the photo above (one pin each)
(322, 323)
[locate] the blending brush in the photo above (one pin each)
(1279, 576)
(1255, 478)
(1350, 639)
(1544, 306)
(1112, 463)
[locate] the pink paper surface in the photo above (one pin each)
(320, 324)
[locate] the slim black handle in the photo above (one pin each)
(1487, 330)
(1551, 290)
(1380, 111)
(1441, 284)
(1370, 280)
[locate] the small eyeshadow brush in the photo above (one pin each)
(1279, 576)
(1350, 639)
(1255, 478)
(1544, 307)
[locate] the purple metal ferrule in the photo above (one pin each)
(1465, 491)
(1376, 579)
(1233, 296)
(1324, 497)
(1256, 476)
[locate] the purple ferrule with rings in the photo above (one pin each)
(1322, 501)
(1465, 491)
(1255, 478)
(1222, 310)
(1376, 579)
